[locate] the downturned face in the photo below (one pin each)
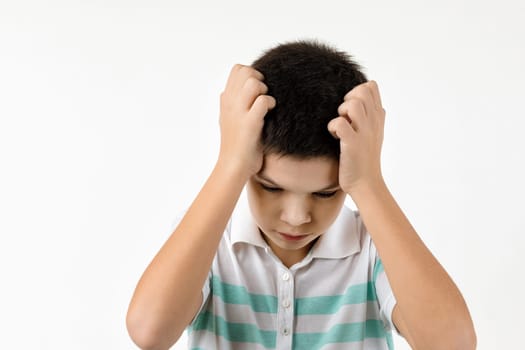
(294, 201)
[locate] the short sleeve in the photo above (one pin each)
(383, 291)
(205, 295)
(385, 296)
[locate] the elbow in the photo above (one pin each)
(465, 336)
(451, 337)
(461, 338)
(143, 336)
(147, 334)
(467, 340)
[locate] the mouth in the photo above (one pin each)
(292, 237)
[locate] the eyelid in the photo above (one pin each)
(265, 182)
(326, 194)
(322, 194)
(269, 187)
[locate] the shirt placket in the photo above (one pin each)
(285, 309)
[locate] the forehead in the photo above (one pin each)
(309, 174)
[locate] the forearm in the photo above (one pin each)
(169, 292)
(432, 308)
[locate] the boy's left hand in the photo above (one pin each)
(359, 127)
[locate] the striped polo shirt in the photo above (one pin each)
(337, 297)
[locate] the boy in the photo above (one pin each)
(293, 268)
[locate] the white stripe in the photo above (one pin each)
(368, 343)
(209, 341)
(234, 313)
(348, 314)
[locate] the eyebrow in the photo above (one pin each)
(270, 181)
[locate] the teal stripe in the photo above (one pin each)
(389, 341)
(327, 305)
(232, 294)
(341, 333)
(234, 332)
(378, 268)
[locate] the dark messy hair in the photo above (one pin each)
(309, 80)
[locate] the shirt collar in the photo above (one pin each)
(243, 228)
(339, 241)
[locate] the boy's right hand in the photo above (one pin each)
(244, 104)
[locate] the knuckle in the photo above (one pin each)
(366, 88)
(356, 104)
(254, 86)
(225, 100)
(257, 74)
(335, 123)
(243, 68)
(342, 109)
(237, 67)
(364, 93)
(267, 100)
(247, 70)
(251, 83)
(341, 122)
(356, 92)
(261, 101)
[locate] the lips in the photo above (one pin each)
(292, 237)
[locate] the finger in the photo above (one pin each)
(261, 106)
(341, 129)
(374, 90)
(254, 73)
(251, 90)
(343, 112)
(242, 70)
(239, 74)
(233, 76)
(353, 106)
(354, 110)
(363, 93)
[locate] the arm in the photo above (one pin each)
(168, 294)
(430, 311)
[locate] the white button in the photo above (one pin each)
(286, 331)
(286, 276)
(286, 303)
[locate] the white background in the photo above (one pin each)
(109, 127)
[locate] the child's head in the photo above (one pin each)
(308, 79)
(296, 195)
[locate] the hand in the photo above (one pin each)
(244, 104)
(359, 127)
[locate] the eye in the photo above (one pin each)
(270, 189)
(325, 194)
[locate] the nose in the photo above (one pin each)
(295, 212)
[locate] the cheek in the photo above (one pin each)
(266, 207)
(259, 203)
(328, 212)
